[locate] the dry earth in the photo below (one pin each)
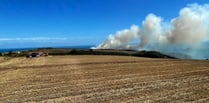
(97, 79)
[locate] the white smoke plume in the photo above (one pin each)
(184, 34)
(121, 39)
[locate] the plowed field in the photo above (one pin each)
(98, 79)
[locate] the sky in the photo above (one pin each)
(48, 23)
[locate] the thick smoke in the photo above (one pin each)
(186, 34)
(121, 39)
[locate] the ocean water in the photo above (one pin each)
(32, 48)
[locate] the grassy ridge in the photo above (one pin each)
(55, 51)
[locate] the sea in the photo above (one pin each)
(32, 48)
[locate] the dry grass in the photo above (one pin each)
(103, 79)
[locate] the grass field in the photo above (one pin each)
(97, 79)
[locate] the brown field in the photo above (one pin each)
(98, 79)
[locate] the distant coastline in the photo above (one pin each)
(33, 48)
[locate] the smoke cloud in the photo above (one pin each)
(184, 36)
(121, 39)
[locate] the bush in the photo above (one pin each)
(151, 54)
(74, 52)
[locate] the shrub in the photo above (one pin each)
(151, 54)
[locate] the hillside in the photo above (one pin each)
(64, 51)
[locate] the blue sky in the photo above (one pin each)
(38, 23)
